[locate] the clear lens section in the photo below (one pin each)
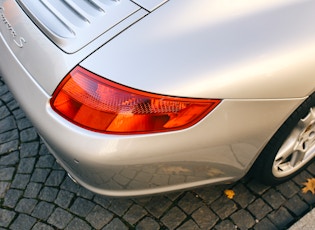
(97, 104)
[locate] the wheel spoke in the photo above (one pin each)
(283, 166)
(288, 146)
(296, 158)
(307, 136)
(308, 120)
(298, 148)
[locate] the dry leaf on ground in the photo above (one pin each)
(229, 193)
(309, 186)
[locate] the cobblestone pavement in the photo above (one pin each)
(35, 193)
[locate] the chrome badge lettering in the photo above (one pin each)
(19, 41)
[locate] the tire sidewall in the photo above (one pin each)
(264, 164)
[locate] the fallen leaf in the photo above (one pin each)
(309, 186)
(229, 193)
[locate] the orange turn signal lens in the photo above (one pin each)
(98, 104)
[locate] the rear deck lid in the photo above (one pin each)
(72, 24)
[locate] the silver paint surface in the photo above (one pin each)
(257, 56)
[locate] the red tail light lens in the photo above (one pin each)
(97, 104)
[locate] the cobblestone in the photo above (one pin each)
(64, 198)
(288, 189)
(120, 206)
(296, 206)
(202, 213)
(83, 192)
(157, 206)
(70, 186)
(42, 226)
(189, 203)
(26, 165)
(280, 217)
(265, 224)
(26, 205)
(99, 217)
(28, 135)
(257, 187)
(307, 197)
(55, 178)
(20, 181)
(115, 224)
(301, 177)
(6, 217)
(243, 219)
(4, 112)
(35, 193)
(46, 161)
(19, 114)
(148, 223)
(10, 159)
(259, 208)
(23, 123)
(223, 207)
(173, 218)
(6, 174)
(60, 218)
(40, 175)
(78, 224)
(134, 214)
(311, 169)
(43, 210)
(24, 222)
(9, 146)
(274, 198)
(32, 190)
(245, 197)
(12, 197)
(9, 136)
(188, 225)
(29, 149)
(82, 207)
(7, 124)
(48, 194)
(7, 98)
(226, 224)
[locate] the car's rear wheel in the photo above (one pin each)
(291, 149)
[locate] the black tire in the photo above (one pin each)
(282, 158)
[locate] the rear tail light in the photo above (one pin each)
(97, 104)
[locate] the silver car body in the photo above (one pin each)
(257, 56)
